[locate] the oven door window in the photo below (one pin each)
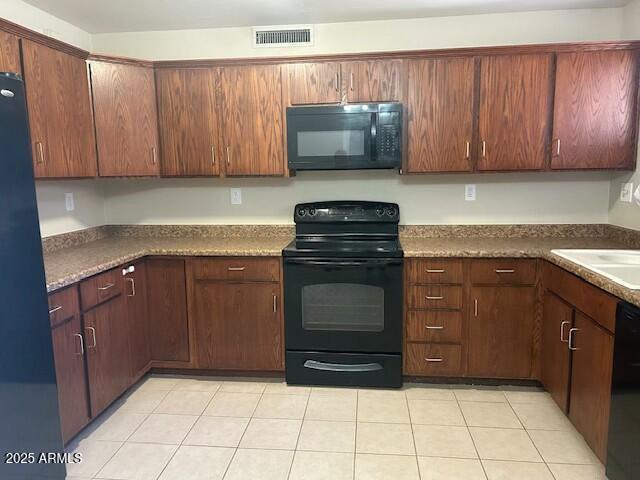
(343, 307)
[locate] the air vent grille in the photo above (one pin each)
(282, 36)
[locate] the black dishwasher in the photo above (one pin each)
(623, 457)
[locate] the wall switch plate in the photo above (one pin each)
(236, 196)
(626, 192)
(470, 192)
(69, 203)
(636, 195)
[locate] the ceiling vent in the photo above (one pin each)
(289, 36)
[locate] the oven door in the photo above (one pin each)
(339, 305)
(331, 141)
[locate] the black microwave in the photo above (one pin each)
(344, 137)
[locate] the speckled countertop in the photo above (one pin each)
(72, 260)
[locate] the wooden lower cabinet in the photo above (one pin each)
(433, 359)
(107, 350)
(168, 319)
(555, 355)
(500, 333)
(137, 317)
(68, 351)
(591, 382)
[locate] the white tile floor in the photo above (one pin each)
(180, 428)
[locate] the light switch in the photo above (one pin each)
(236, 196)
(636, 195)
(69, 203)
(626, 192)
(470, 192)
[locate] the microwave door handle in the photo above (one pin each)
(373, 154)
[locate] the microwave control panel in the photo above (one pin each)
(389, 135)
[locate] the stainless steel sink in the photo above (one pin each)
(621, 266)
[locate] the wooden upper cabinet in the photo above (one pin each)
(60, 116)
(188, 121)
(515, 110)
(595, 110)
(9, 53)
(440, 115)
(251, 108)
(124, 102)
(315, 82)
(374, 81)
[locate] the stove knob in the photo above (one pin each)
(302, 212)
(312, 211)
(380, 211)
(391, 211)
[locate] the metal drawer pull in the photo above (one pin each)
(468, 150)
(571, 332)
(484, 148)
(93, 336)
(107, 287)
(213, 155)
(55, 309)
(235, 269)
(475, 307)
(154, 155)
(341, 367)
(557, 147)
(133, 287)
(505, 270)
(435, 270)
(562, 325)
(275, 304)
(433, 327)
(81, 343)
(434, 360)
(434, 298)
(40, 149)
(228, 157)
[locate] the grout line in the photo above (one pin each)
(355, 440)
(413, 436)
(473, 442)
(295, 450)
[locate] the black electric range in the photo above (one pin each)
(343, 295)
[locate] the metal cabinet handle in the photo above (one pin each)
(55, 309)
(435, 270)
(40, 150)
(337, 81)
(468, 149)
(351, 81)
(235, 269)
(434, 327)
(342, 367)
(475, 307)
(93, 336)
(107, 287)
(228, 157)
(562, 325)
(275, 303)
(557, 147)
(433, 360)
(133, 287)
(484, 148)
(213, 154)
(505, 270)
(434, 298)
(81, 343)
(154, 155)
(570, 341)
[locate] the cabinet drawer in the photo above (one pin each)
(101, 288)
(435, 297)
(506, 271)
(433, 360)
(63, 305)
(434, 270)
(434, 326)
(238, 269)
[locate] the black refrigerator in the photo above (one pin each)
(29, 419)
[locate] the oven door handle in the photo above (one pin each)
(329, 263)
(342, 367)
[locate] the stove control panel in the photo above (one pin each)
(346, 212)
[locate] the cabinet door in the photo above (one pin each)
(251, 106)
(137, 317)
(591, 382)
(71, 376)
(515, 110)
(310, 83)
(238, 326)
(555, 355)
(595, 110)
(60, 116)
(124, 103)
(167, 304)
(107, 347)
(374, 81)
(188, 121)
(501, 332)
(440, 112)
(9, 53)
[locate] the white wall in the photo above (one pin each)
(620, 213)
(439, 32)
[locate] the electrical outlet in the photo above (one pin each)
(236, 196)
(636, 195)
(626, 192)
(69, 202)
(470, 192)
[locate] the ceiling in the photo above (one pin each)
(102, 16)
